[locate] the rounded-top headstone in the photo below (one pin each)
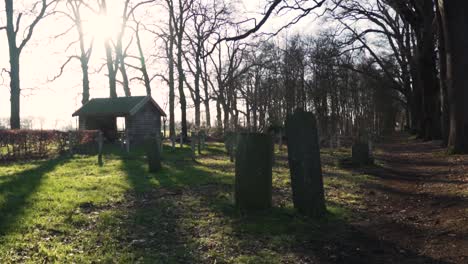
(253, 183)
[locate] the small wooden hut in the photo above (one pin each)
(142, 116)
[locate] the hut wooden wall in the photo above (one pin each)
(147, 122)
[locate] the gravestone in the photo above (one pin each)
(361, 154)
(280, 140)
(230, 139)
(304, 164)
(253, 182)
(202, 139)
(193, 143)
(153, 154)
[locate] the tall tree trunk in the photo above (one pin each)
(427, 64)
(180, 70)
(206, 100)
(219, 122)
(455, 24)
(123, 71)
(170, 57)
(226, 118)
(197, 101)
(85, 73)
(15, 91)
(443, 78)
(14, 52)
(143, 67)
(416, 99)
(110, 70)
(182, 100)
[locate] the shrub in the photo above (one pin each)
(38, 144)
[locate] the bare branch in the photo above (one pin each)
(63, 67)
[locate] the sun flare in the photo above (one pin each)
(101, 27)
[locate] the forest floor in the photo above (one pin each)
(410, 207)
(418, 200)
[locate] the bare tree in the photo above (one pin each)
(142, 59)
(454, 23)
(86, 48)
(179, 21)
(205, 20)
(16, 46)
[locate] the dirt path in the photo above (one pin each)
(419, 200)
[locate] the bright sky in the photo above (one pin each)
(52, 103)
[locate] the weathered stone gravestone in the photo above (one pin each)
(304, 164)
(362, 152)
(193, 143)
(173, 142)
(230, 139)
(253, 181)
(153, 154)
(201, 140)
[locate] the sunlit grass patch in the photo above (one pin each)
(72, 210)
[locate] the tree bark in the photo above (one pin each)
(443, 78)
(180, 25)
(455, 25)
(125, 82)
(15, 90)
(110, 70)
(85, 73)
(427, 65)
(170, 57)
(143, 67)
(206, 100)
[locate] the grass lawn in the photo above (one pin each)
(70, 210)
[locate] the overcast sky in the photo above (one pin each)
(54, 102)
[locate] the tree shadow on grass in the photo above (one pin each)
(18, 188)
(185, 214)
(331, 239)
(154, 226)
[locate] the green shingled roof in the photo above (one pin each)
(120, 106)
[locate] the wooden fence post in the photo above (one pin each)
(203, 140)
(127, 141)
(70, 143)
(280, 140)
(192, 145)
(100, 143)
(161, 139)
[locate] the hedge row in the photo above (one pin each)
(36, 144)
